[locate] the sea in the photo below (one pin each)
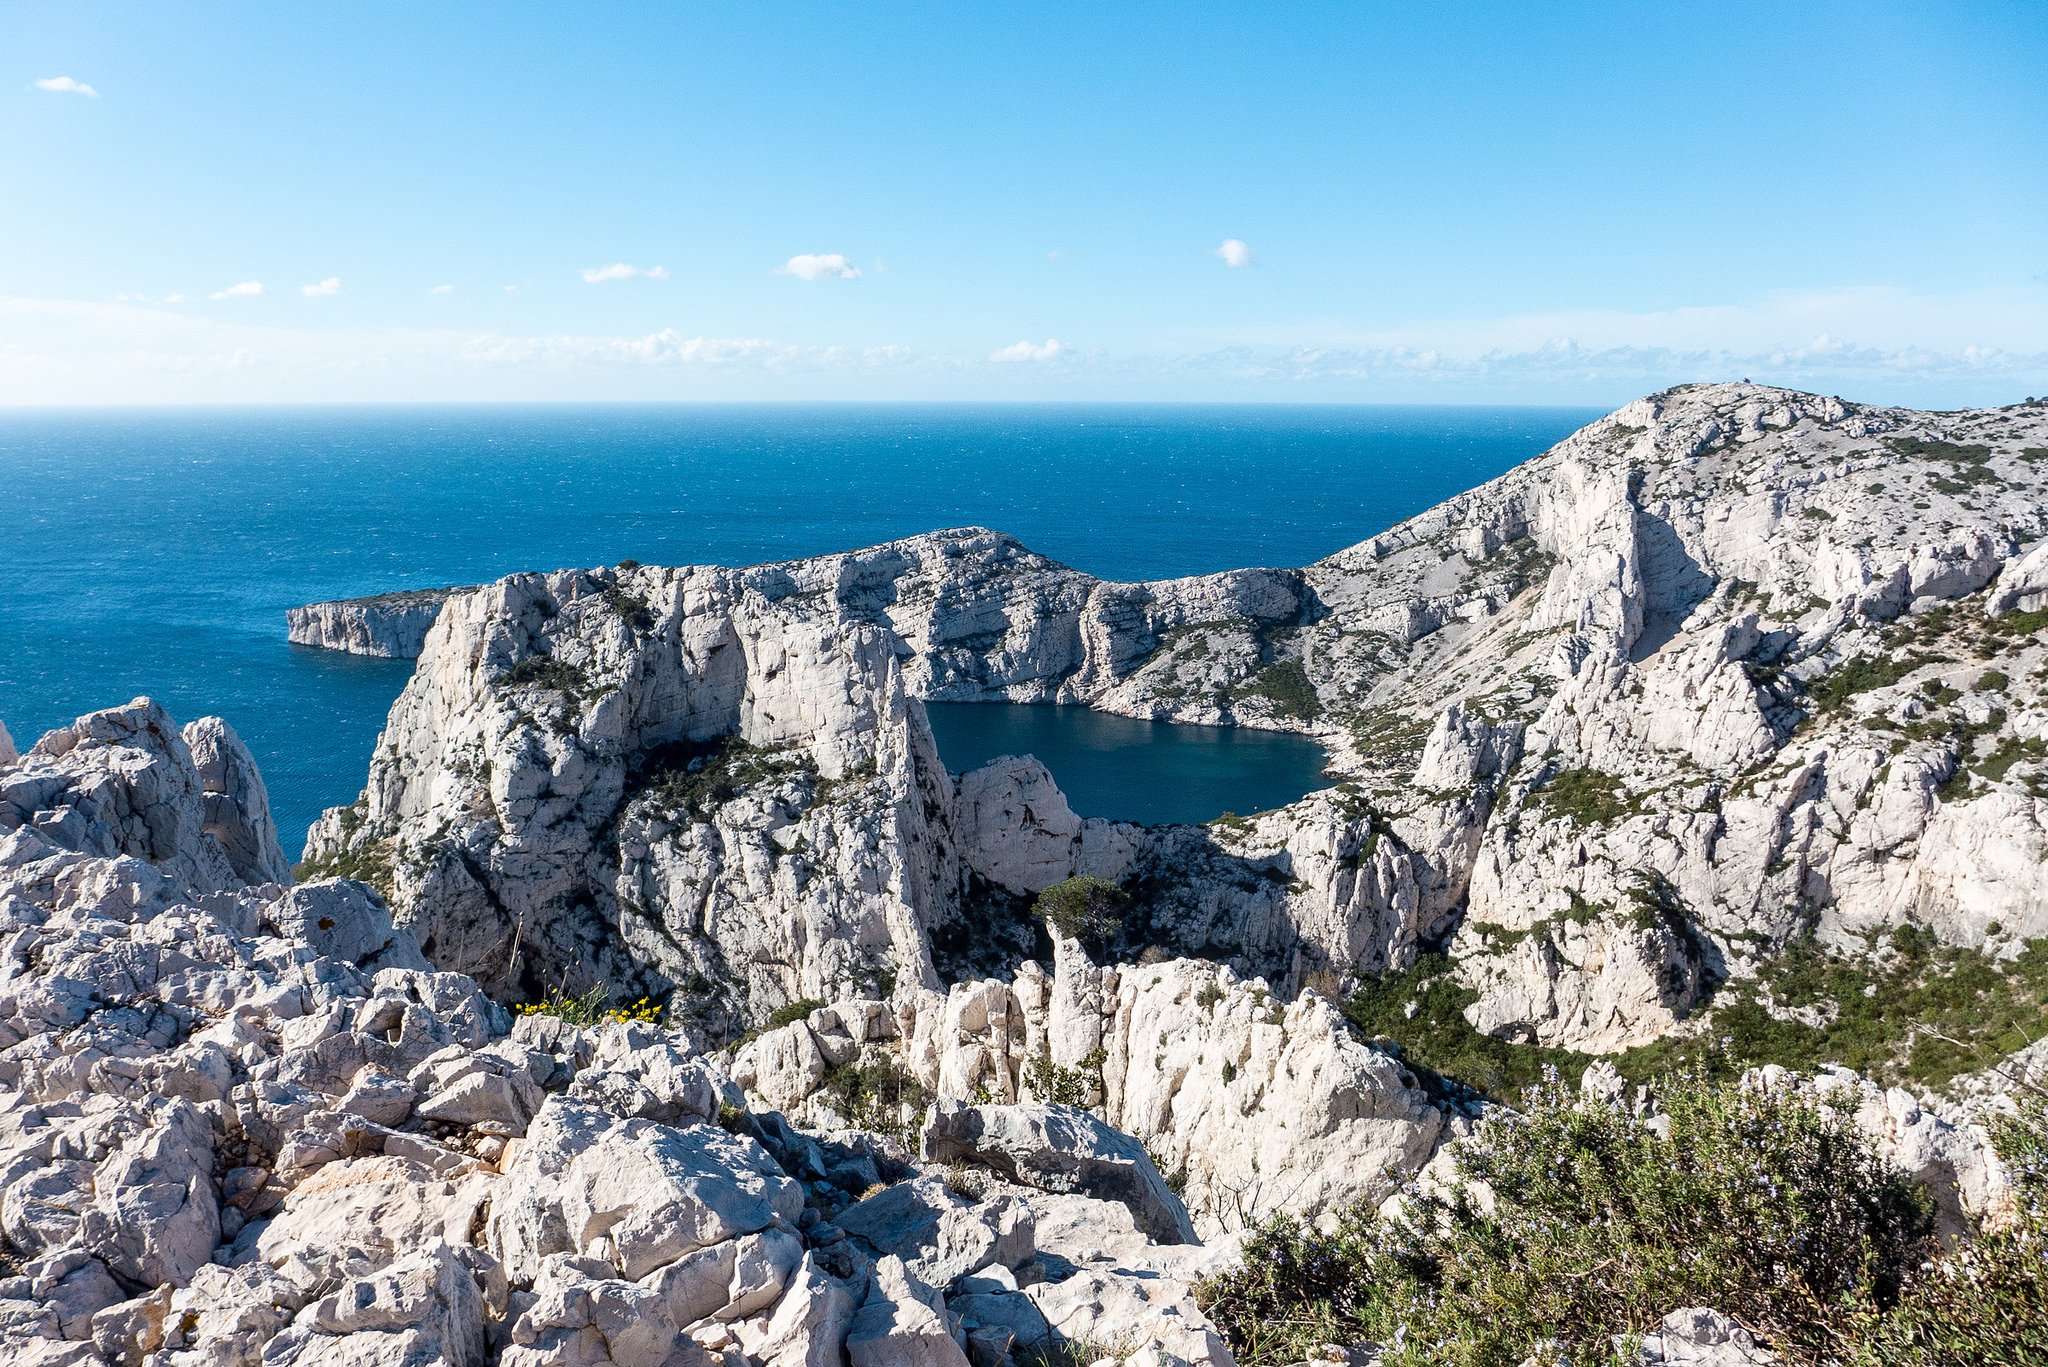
(154, 551)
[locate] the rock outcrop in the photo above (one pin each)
(1731, 667)
(392, 626)
(243, 1122)
(1251, 1105)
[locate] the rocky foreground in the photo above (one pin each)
(243, 1122)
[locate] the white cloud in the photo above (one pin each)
(330, 286)
(819, 266)
(64, 85)
(248, 289)
(1050, 349)
(619, 270)
(509, 289)
(1235, 254)
(442, 289)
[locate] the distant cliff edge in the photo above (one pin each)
(391, 625)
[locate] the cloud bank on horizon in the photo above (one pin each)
(1443, 208)
(1873, 345)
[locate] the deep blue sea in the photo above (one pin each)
(155, 551)
(1132, 770)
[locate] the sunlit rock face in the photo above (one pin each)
(1730, 666)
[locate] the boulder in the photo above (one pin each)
(1059, 1149)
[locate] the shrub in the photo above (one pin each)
(543, 671)
(1422, 1010)
(1055, 1085)
(1917, 1016)
(695, 778)
(1597, 1222)
(792, 1013)
(591, 1008)
(1285, 684)
(874, 1094)
(1587, 797)
(1087, 909)
(366, 862)
(1861, 675)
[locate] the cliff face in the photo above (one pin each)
(1727, 667)
(391, 626)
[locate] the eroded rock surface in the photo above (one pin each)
(246, 1123)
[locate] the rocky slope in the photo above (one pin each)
(390, 625)
(1727, 669)
(244, 1122)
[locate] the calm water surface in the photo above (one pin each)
(155, 551)
(1132, 770)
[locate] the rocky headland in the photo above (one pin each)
(391, 626)
(822, 1054)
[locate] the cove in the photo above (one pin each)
(1157, 773)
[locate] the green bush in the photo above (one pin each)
(543, 671)
(1422, 1009)
(1587, 797)
(1285, 684)
(1917, 1015)
(695, 778)
(1087, 909)
(1861, 675)
(1598, 1223)
(876, 1094)
(791, 1013)
(1055, 1085)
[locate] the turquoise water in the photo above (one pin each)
(1131, 770)
(155, 551)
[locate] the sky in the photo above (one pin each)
(1463, 203)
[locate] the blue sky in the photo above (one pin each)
(1566, 203)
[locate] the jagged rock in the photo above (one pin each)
(360, 1214)
(940, 1236)
(631, 1192)
(581, 1316)
(155, 1217)
(1257, 1106)
(902, 1323)
(342, 920)
(1059, 1149)
(1641, 614)
(422, 1310)
(1700, 1337)
(237, 804)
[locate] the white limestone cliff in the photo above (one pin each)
(1730, 667)
(393, 626)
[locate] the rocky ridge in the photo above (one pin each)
(1731, 668)
(246, 1122)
